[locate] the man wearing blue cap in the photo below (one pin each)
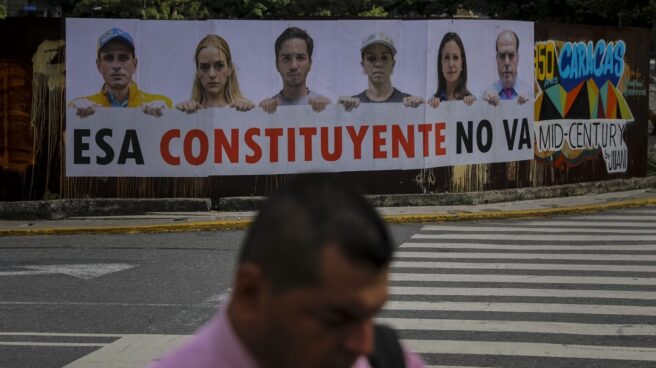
(117, 63)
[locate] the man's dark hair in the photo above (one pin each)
(295, 224)
(496, 44)
(295, 32)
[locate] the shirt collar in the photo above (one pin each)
(113, 101)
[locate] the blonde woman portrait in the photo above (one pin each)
(215, 81)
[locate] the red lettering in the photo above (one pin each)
(379, 141)
(164, 147)
(188, 144)
(291, 145)
(337, 152)
(425, 129)
(407, 141)
(250, 142)
(439, 138)
(221, 144)
(307, 134)
(357, 139)
(273, 134)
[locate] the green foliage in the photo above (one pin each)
(641, 13)
(290, 9)
(3, 12)
(596, 12)
(142, 9)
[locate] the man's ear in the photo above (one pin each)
(251, 289)
(98, 64)
(136, 62)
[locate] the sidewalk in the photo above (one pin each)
(512, 203)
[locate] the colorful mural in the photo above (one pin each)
(580, 107)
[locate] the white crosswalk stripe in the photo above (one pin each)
(523, 266)
(561, 256)
(483, 229)
(565, 292)
(585, 247)
(520, 292)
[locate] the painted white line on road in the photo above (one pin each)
(531, 349)
(523, 266)
(616, 217)
(129, 352)
(573, 256)
(564, 328)
(525, 293)
(616, 247)
(591, 224)
(496, 229)
(532, 279)
(62, 334)
(108, 304)
(82, 271)
(61, 344)
(542, 237)
(624, 310)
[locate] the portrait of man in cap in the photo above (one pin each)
(116, 62)
(378, 60)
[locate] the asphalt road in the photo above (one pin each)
(155, 284)
(574, 291)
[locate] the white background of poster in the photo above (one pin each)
(479, 39)
(151, 130)
(165, 50)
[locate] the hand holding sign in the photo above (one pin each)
(84, 107)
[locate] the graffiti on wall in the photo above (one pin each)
(580, 109)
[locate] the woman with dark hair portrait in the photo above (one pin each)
(215, 80)
(451, 72)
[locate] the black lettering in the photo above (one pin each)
(79, 146)
(525, 135)
(510, 135)
(104, 146)
(545, 138)
(130, 140)
(484, 146)
(465, 138)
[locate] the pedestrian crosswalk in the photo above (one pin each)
(576, 291)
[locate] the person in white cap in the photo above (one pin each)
(116, 63)
(378, 52)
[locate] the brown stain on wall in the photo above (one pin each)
(470, 178)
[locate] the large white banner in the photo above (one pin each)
(228, 142)
(142, 96)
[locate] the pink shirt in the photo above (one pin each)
(216, 345)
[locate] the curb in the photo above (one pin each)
(89, 207)
(516, 214)
(471, 198)
(62, 208)
(391, 219)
